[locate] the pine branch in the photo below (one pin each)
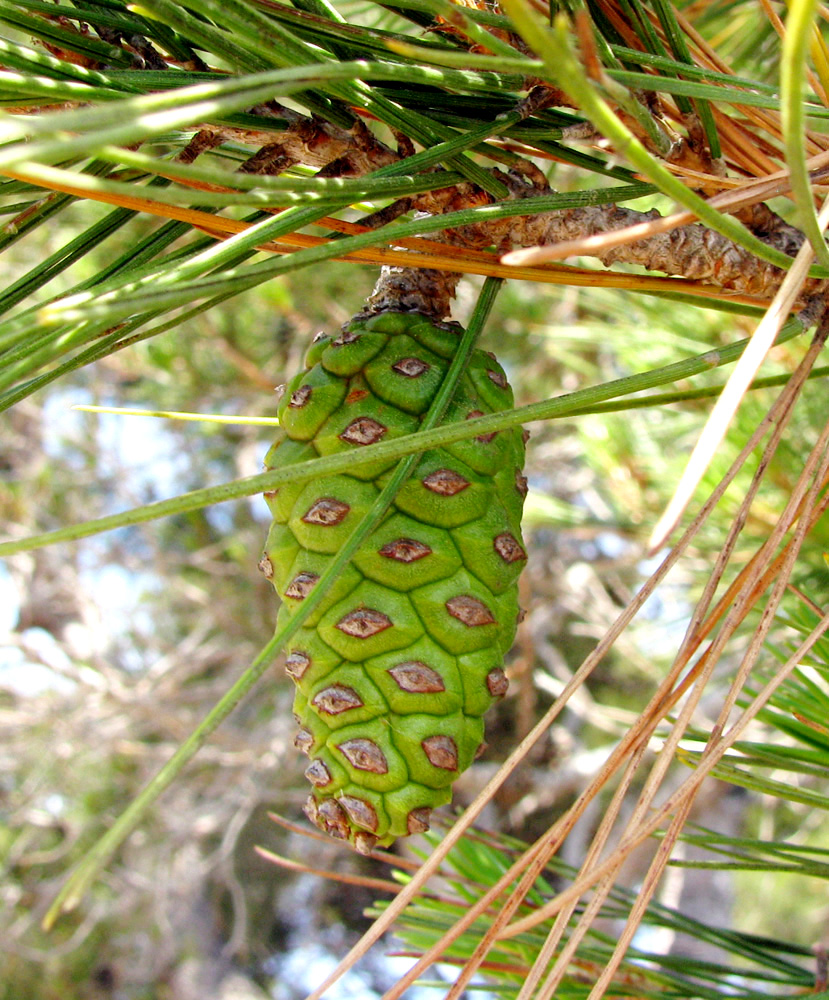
(690, 251)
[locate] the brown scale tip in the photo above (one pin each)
(497, 683)
(310, 809)
(483, 438)
(364, 843)
(418, 819)
(411, 367)
(326, 511)
(405, 550)
(331, 817)
(445, 482)
(301, 585)
(481, 750)
(361, 813)
(304, 740)
(364, 754)
(297, 663)
(266, 566)
(362, 623)
(497, 379)
(336, 699)
(441, 751)
(417, 678)
(318, 774)
(362, 431)
(346, 337)
(469, 610)
(520, 483)
(508, 548)
(300, 397)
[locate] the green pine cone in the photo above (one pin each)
(396, 668)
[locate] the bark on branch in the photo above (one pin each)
(691, 251)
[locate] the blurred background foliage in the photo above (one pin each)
(116, 646)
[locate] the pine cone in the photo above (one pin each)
(397, 666)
